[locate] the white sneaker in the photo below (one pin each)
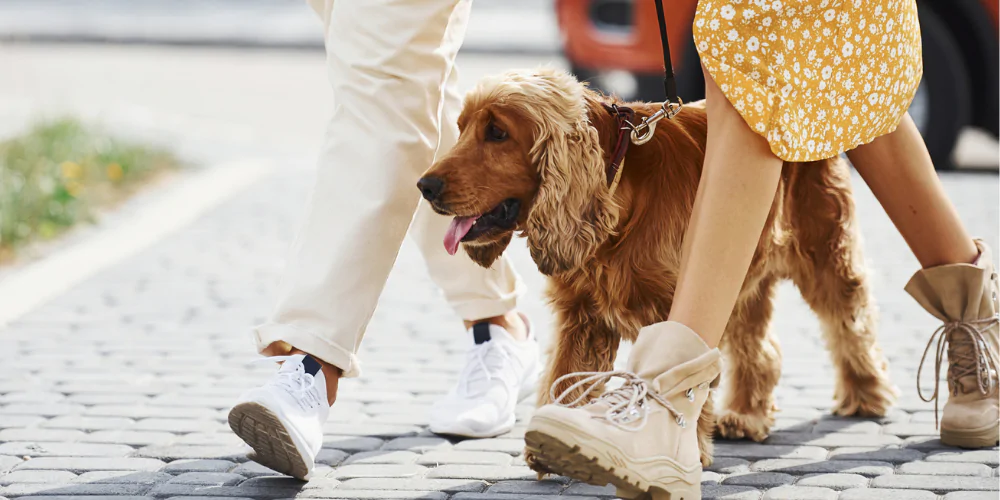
(500, 371)
(282, 420)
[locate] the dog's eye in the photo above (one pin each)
(494, 133)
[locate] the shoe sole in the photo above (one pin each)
(590, 467)
(972, 438)
(272, 446)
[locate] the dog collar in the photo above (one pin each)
(623, 117)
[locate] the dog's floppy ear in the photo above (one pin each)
(573, 212)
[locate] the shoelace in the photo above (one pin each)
(980, 364)
(297, 382)
(480, 357)
(624, 403)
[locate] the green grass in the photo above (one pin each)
(59, 173)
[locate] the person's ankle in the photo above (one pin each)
(330, 372)
(511, 321)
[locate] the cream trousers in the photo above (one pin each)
(391, 64)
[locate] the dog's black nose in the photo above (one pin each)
(430, 187)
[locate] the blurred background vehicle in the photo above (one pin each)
(615, 45)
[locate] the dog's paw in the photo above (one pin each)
(730, 425)
(871, 398)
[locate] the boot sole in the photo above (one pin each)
(972, 438)
(272, 446)
(592, 467)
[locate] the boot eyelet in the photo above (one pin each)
(690, 394)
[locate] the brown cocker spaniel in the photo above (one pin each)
(532, 159)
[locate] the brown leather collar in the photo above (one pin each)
(623, 117)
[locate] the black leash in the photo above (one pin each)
(643, 132)
(669, 82)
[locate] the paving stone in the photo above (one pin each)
(512, 446)
(584, 489)
(379, 470)
(759, 479)
(485, 472)
(754, 451)
(797, 466)
(385, 431)
(831, 440)
(177, 425)
(464, 457)
(92, 497)
(382, 457)
(911, 429)
(187, 490)
(123, 477)
(800, 493)
(945, 469)
(226, 438)
(354, 444)
(727, 465)
(330, 457)
(253, 469)
(847, 426)
(988, 457)
(714, 492)
(9, 421)
(891, 455)
(38, 434)
(971, 495)
(131, 438)
(41, 409)
(199, 465)
(418, 444)
(37, 476)
(88, 423)
(81, 465)
(510, 496)
(35, 449)
(418, 484)
(527, 487)
(208, 478)
(711, 477)
(7, 463)
(22, 489)
(285, 482)
(833, 481)
(178, 451)
(339, 494)
(936, 483)
(925, 443)
(886, 494)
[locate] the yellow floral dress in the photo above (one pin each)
(814, 77)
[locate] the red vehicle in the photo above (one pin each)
(615, 45)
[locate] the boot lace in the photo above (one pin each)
(970, 354)
(628, 405)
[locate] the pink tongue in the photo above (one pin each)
(459, 227)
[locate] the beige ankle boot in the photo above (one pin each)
(964, 296)
(642, 436)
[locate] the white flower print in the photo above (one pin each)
(772, 37)
(727, 12)
(738, 57)
(748, 14)
(812, 55)
(827, 72)
(796, 23)
(829, 15)
(771, 81)
(753, 44)
(703, 45)
(779, 59)
(732, 35)
(758, 106)
(699, 23)
(776, 5)
(714, 24)
(766, 22)
(847, 49)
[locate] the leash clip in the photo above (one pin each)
(643, 132)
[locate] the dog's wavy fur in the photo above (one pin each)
(613, 259)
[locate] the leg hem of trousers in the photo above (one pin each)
(312, 343)
(481, 309)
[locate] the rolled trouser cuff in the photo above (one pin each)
(312, 343)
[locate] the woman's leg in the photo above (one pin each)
(738, 184)
(899, 172)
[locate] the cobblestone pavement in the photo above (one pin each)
(120, 387)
